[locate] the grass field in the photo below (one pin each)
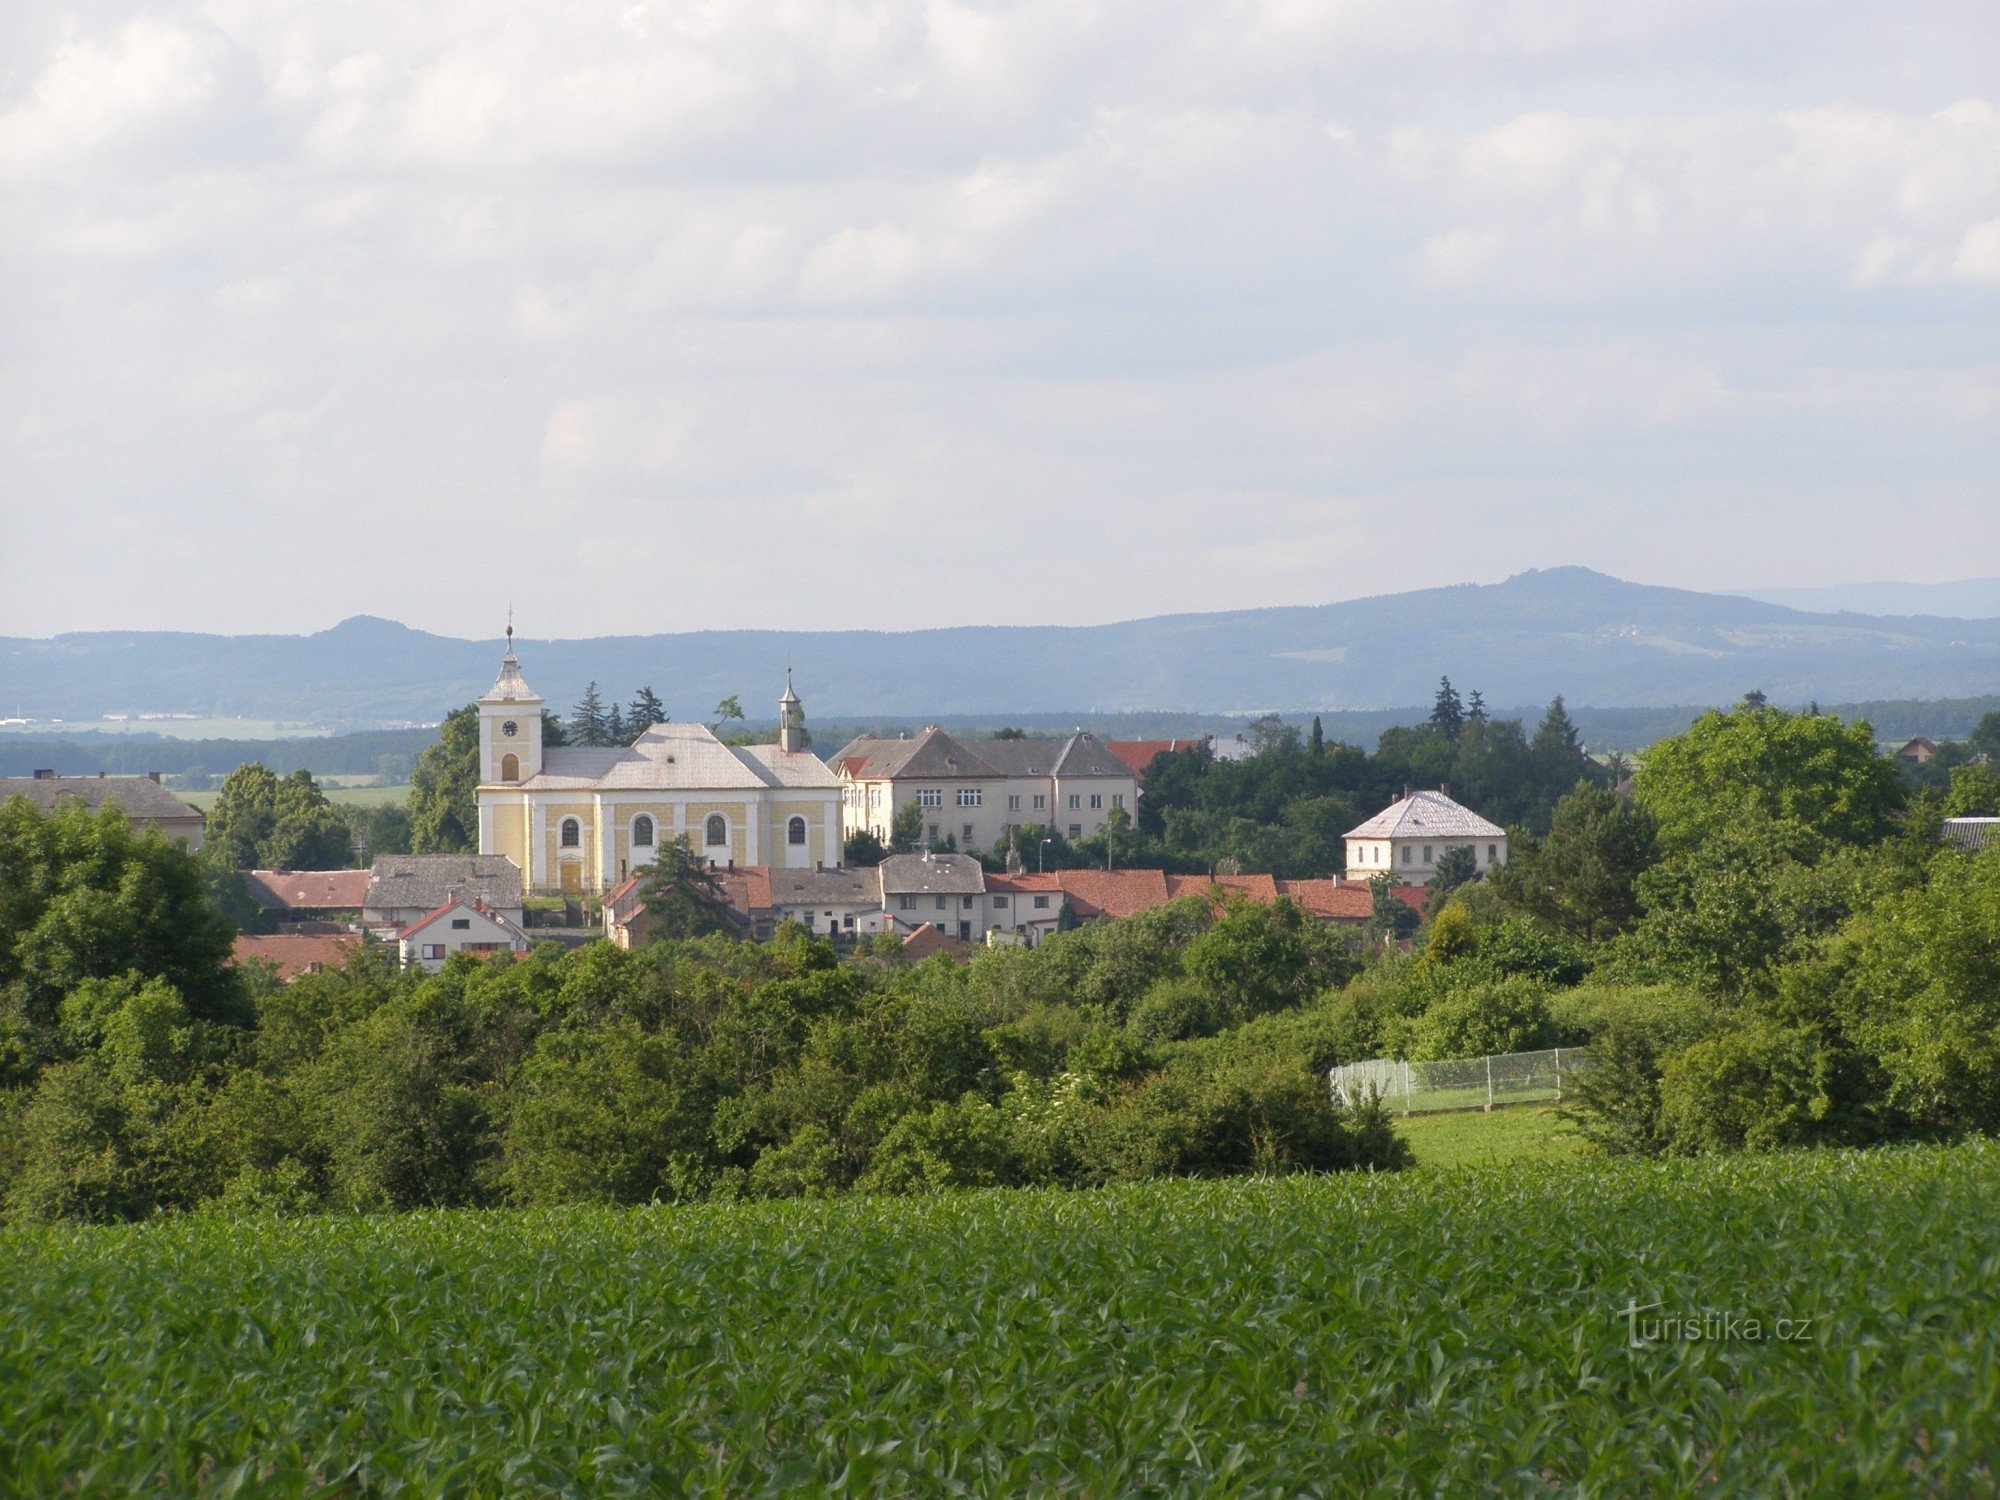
(339, 796)
(1519, 1133)
(1431, 1333)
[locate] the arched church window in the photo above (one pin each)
(642, 832)
(572, 834)
(795, 832)
(717, 830)
(510, 768)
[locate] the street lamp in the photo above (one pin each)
(1042, 855)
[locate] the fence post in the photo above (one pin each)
(1406, 1088)
(1489, 1080)
(1559, 1075)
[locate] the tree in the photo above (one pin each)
(444, 801)
(1455, 867)
(1392, 917)
(729, 708)
(1975, 793)
(646, 711)
(261, 822)
(1271, 735)
(589, 723)
(862, 847)
(1985, 736)
(1763, 762)
(906, 829)
(1583, 878)
(1556, 752)
(1010, 734)
(554, 732)
(1318, 738)
(682, 896)
(87, 896)
(614, 726)
(1475, 708)
(1447, 713)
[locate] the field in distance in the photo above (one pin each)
(173, 729)
(1450, 1332)
(339, 796)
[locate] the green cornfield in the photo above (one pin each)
(1435, 1332)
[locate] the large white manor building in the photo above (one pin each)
(580, 820)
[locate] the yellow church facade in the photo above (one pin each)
(579, 820)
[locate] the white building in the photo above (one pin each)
(1406, 840)
(976, 792)
(579, 820)
(458, 927)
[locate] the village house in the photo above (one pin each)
(404, 888)
(147, 803)
(1406, 840)
(458, 926)
(972, 794)
(301, 898)
(291, 955)
(579, 820)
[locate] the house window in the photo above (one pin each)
(1117, 799)
(906, 903)
(510, 768)
(642, 832)
(1075, 801)
(1427, 854)
(716, 833)
(1492, 853)
(965, 903)
(1076, 830)
(1041, 903)
(968, 830)
(999, 903)
(433, 950)
(572, 834)
(1041, 801)
(1409, 855)
(930, 796)
(795, 833)
(940, 902)
(968, 796)
(1097, 801)
(461, 924)
(1013, 802)
(874, 796)
(933, 833)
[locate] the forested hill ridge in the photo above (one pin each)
(1596, 639)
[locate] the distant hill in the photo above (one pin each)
(1596, 639)
(1965, 599)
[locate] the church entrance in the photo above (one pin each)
(570, 873)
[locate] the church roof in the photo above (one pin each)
(1426, 815)
(510, 686)
(678, 757)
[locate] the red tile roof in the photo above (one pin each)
(925, 941)
(293, 955)
(1138, 754)
(307, 890)
(1114, 893)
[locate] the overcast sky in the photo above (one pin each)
(654, 316)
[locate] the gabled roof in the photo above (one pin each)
(925, 941)
(293, 955)
(836, 887)
(934, 874)
(140, 796)
(499, 921)
(678, 757)
(1347, 900)
(1426, 815)
(307, 890)
(1114, 893)
(931, 756)
(1139, 754)
(428, 881)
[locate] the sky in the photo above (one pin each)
(881, 313)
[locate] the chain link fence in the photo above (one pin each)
(1460, 1082)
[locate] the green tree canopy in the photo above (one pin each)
(1583, 878)
(1752, 762)
(683, 898)
(444, 801)
(262, 822)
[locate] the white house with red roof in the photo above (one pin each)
(458, 927)
(1406, 839)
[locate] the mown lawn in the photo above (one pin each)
(1518, 1133)
(1443, 1333)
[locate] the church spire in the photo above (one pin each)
(510, 686)
(792, 734)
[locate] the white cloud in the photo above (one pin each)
(1135, 305)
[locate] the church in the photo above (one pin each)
(578, 821)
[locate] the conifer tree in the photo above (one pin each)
(588, 724)
(1447, 714)
(646, 711)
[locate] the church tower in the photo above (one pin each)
(792, 736)
(510, 725)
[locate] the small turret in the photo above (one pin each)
(792, 736)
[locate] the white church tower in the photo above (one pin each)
(510, 726)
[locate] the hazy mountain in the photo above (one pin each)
(1561, 630)
(1965, 599)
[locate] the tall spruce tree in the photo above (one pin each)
(1318, 738)
(646, 711)
(589, 725)
(1447, 714)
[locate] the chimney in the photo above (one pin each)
(1445, 788)
(45, 775)
(154, 777)
(1406, 791)
(732, 861)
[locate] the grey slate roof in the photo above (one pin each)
(935, 755)
(842, 887)
(1971, 833)
(935, 874)
(140, 796)
(1427, 815)
(428, 881)
(678, 757)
